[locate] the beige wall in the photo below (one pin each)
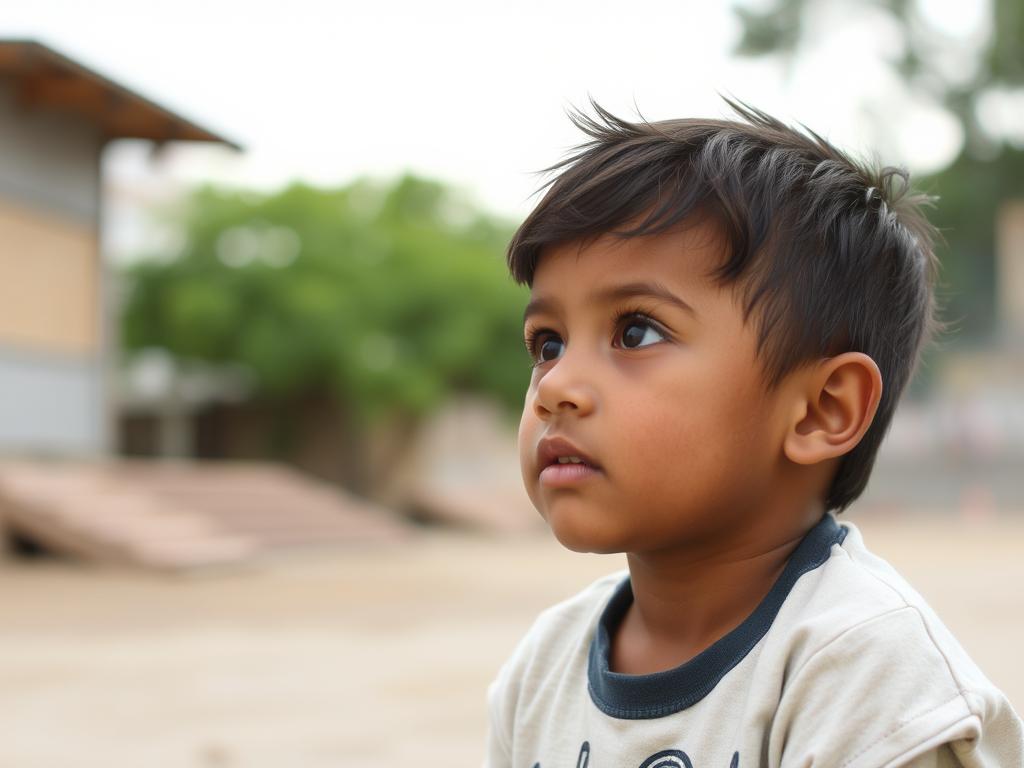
(49, 285)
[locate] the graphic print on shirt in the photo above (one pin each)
(667, 758)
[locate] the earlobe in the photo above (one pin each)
(835, 408)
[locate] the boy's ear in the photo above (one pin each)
(835, 408)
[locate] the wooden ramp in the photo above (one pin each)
(182, 514)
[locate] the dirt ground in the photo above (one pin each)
(362, 658)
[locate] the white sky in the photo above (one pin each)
(470, 92)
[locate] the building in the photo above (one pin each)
(56, 333)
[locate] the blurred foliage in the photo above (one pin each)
(970, 192)
(989, 168)
(388, 297)
(779, 26)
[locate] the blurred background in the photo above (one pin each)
(261, 364)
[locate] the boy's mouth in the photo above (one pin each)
(559, 451)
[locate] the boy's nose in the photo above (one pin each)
(564, 388)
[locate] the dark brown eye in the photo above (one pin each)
(639, 333)
(550, 349)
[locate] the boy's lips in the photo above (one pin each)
(550, 449)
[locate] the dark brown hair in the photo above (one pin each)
(833, 254)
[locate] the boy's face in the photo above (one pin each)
(663, 395)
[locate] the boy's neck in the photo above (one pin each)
(686, 599)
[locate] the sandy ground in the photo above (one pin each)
(362, 658)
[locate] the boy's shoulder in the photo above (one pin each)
(863, 650)
(858, 597)
(853, 589)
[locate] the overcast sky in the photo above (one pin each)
(470, 92)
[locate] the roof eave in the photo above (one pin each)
(49, 80)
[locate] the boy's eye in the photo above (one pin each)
(549, 348)
(543, 346)
(639, 333)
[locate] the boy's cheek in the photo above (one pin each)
(527, 448)
(525, 437)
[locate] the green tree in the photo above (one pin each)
(387, 297)
(923, 54)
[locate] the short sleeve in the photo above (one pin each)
(883, 694)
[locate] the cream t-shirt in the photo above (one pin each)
(842, 665)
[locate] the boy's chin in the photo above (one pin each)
(584, 539)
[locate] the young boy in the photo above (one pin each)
(722, 318)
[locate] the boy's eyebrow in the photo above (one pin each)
(614, 293)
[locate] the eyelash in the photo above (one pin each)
(533, 335)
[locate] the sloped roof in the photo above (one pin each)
(47, 79)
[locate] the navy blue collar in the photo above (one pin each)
(640, 697)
